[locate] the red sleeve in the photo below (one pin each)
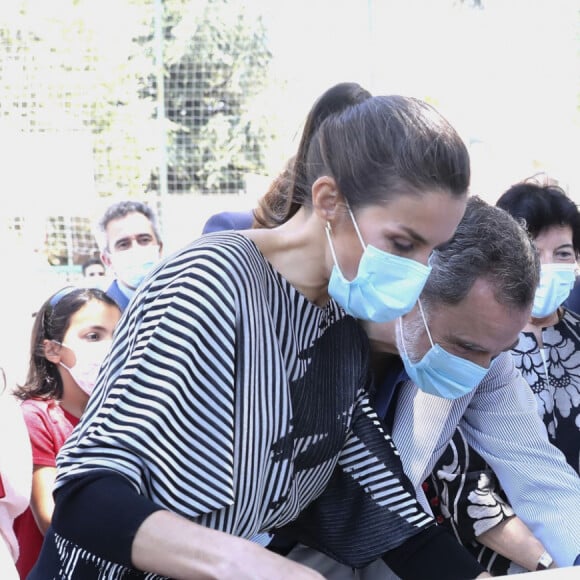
(47, 430)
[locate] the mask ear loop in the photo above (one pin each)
(362, 243)
(328, 232)
(424, 321)
(403, 336)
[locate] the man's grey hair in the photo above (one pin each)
(489, 244)
(121, 209)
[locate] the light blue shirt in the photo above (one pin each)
(500, 421)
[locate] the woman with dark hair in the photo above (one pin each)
(70, 338)
(542, 205)
(465, 491)
(548, 353)
(234, 402)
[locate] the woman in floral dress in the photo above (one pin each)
(548, 352)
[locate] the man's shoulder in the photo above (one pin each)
(116, 294)
(229, 220)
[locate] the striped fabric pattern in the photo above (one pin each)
(232, 400)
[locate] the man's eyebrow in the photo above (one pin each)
(472, 346)
(477, 348)
(457, 341)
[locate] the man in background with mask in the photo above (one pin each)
(130, 245)
(444, 365)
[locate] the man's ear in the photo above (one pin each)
(327, 202)
(105, 259)
(51, 351)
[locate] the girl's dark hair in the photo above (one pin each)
(374, 148)
(51, 323)
(540, 207)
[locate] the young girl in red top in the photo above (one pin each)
(70, 338)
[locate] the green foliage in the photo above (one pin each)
(67, 67)
(216, 63)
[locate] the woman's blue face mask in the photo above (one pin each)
(386, 286)
(556, 283)
(439, 372)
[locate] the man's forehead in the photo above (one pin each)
(133, 224)
(478, 322)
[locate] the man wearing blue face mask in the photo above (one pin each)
(547, 354)
(130, 244)
(476, 301)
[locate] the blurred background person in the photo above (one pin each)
(93, 268)
(15, 477)
(130, 244)
(70, 338)
(95, 275)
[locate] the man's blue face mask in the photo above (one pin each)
(385, 287)
(439, 372)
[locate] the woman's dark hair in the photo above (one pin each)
(273, 206)
(541, 207)
(374, 148)
(51, 323)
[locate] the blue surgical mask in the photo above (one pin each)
(385, 287)
(556, 283)
(132, 266)
(439, 372)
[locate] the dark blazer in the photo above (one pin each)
(573, 301)
(229, 220)
(114, 292)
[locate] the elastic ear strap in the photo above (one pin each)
(355, 226)
(328, 231)
(425, 321)
(400, 319)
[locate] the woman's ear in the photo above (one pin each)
(327, 202)
(51, 351)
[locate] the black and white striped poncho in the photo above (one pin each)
(232, 400)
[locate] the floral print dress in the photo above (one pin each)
(464, 493)
(553, 373)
